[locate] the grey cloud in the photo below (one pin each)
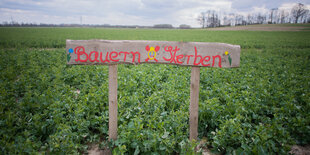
(133, 11)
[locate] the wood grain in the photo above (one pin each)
(113, 102)
(194, 100)
(106, 52)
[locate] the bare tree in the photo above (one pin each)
(261, 19)
(212, 19)
(272, 14)
(308, 17)
(303, 18)
(283, 16)
(229, 19)
(202, 19)
(297, 14)
(226, 20)
(298, 11)
(239, 20)
(250, 19)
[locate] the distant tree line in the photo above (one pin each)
(298, 14)
(16, 24)
(157, 26)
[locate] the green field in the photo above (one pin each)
(47, 106)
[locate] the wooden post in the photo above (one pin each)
(193, 108)
(113, 102)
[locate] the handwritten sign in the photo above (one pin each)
(107, 52)
(113, 52)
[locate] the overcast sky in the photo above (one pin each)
(128, 12)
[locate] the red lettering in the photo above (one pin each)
(196, 57)
(96, 56)
(175, 52)
(169, 49)
(134, 56)
(125, 54)
(179, 57)
(106, 58)
(112, 57)
(78, 52)
(188, 57)
(220, 60)
(204, 59)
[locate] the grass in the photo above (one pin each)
(55, 37)
(283, 25)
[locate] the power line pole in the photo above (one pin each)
(12, 21)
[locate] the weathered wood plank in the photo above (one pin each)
(194, 99)
(113, 102)
(105, 52)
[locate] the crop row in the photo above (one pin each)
(261, 107)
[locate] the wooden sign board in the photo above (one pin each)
(106, 52)
(113, 52)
